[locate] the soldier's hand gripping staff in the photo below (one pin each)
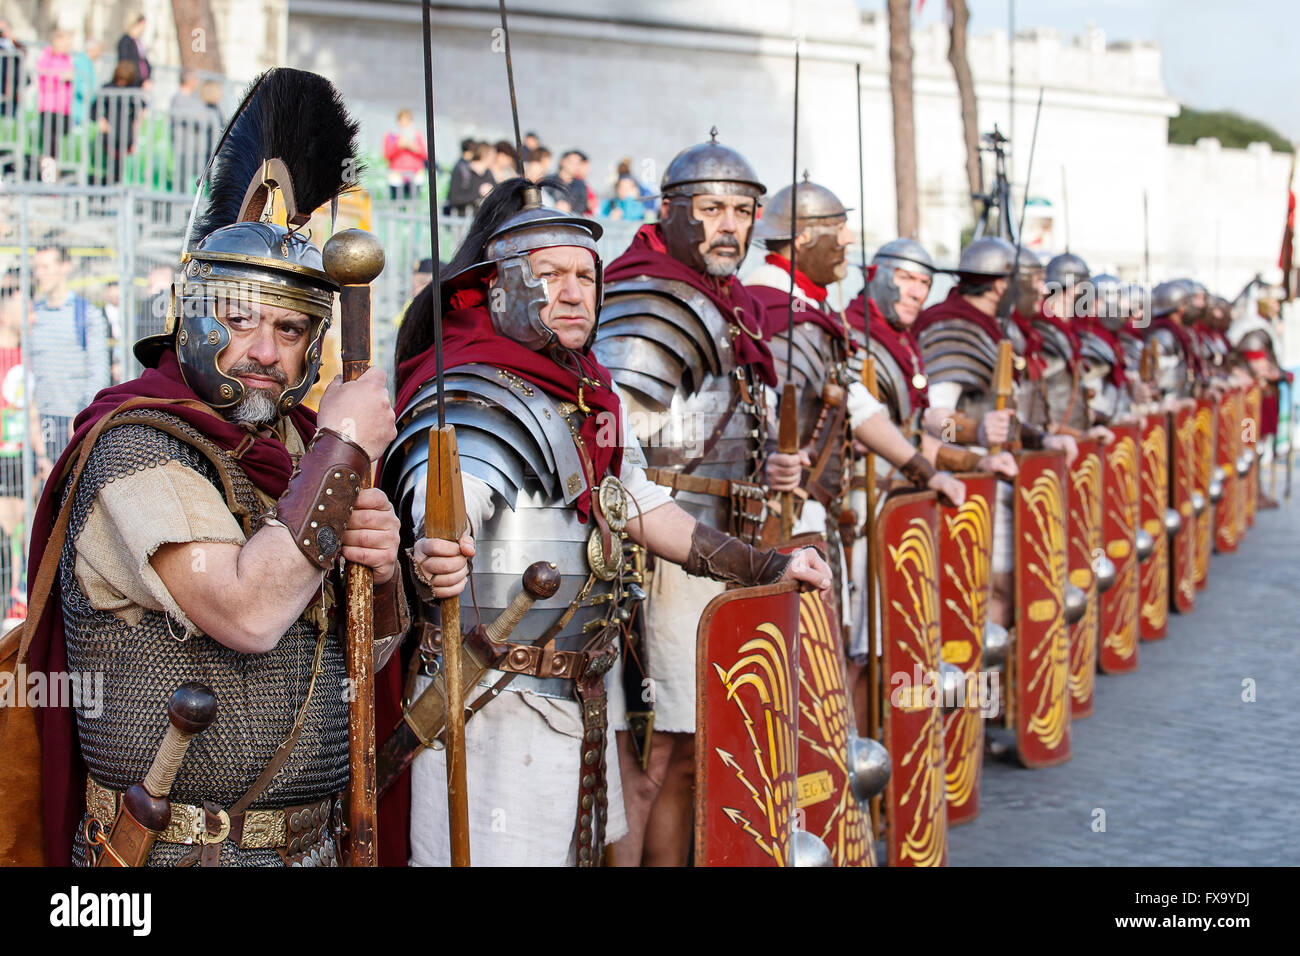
(204, 514)
(549, 475)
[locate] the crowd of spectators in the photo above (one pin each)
(70, 101)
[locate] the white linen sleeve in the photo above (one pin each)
(944, 394)
(479, 503)
(862, 405)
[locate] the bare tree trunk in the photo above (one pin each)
(196, 32)
(900, 90)
(966, 93)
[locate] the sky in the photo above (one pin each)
(1242, 55)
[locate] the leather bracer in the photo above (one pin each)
(952, 458)
(721, 557)
(321, 495)
(918, 470)
(1031, 436)
(966, 429)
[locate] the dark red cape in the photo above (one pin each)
(1066, 328)
(268, 465)
(774, 305)
(1033, 345)
(1091, 324)
(1184, 337)
(648, 256)
(901, 343)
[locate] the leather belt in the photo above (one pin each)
(290, 828)
(544, 661)
(722, 487)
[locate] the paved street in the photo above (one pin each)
(1185, 770)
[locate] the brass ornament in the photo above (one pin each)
(597, 560)
(612, 500)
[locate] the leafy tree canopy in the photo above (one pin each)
(1231, 129)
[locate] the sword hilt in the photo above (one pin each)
(541, 581)
(145, 810)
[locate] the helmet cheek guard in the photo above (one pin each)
(684, 234)
(516, 302)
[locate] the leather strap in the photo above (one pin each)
(71, 473)
(718, 429)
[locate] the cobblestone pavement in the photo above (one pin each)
(1187, 772)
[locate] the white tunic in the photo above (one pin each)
(522, 751)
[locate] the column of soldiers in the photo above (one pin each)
(637, 440)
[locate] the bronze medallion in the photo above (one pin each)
(596, 558)
(613, 502)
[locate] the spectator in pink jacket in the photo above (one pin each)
(405, 150)
(54, 75)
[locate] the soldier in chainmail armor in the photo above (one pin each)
(205, 517)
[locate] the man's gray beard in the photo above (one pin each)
(720, 267)
(257, 407)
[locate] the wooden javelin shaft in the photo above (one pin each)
(874, 696)
(444, 517)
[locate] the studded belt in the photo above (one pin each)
(294, 830)
(545, 661)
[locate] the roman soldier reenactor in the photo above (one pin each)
(553, 485)
(825, 379)
(683, 339)
(959, 339)
(195, 522)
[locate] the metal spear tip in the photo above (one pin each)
(192, 707)
(353, 257)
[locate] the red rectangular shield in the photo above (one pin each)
(746, 731)
(965, 585)
(907, 562)
(1182, 481)
(1038, 701)
(1083, 529)
(826, 807)
(1153, 621)
(1118, 651)
(1228, 449)
(1250, 438)
(1206, 418)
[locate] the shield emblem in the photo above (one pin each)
(916, 797)
(965, 585)
(1118, 650)
(1153, 621)
(1038, 699)
(746, 736)
(1250, 438)
(1083, 529)
(1206, 416)
(1182, 482)
(823, 795)
(1227, 450)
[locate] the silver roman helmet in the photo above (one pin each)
(705, 168)
(514, 223)
(820, 214)
(896, 254)
(235, 255)
(1169, 297)
(1111, 301)
(989, 257)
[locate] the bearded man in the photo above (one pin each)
(200, 512)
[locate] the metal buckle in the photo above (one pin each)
(202, 836)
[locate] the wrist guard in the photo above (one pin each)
(952, 458)
(724, 558)
(1031, 437)
(321, 494)
(967, 430)
(918, 470)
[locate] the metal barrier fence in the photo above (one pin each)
(85, 272)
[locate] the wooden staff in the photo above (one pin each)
(1002, 393)
(874, 696)
(444, 517)
(354, 259)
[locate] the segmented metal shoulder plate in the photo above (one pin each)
(660, 335)
(959, 351)
(1056, 344)
(508, 432)
(891, 383)
(812, 351)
